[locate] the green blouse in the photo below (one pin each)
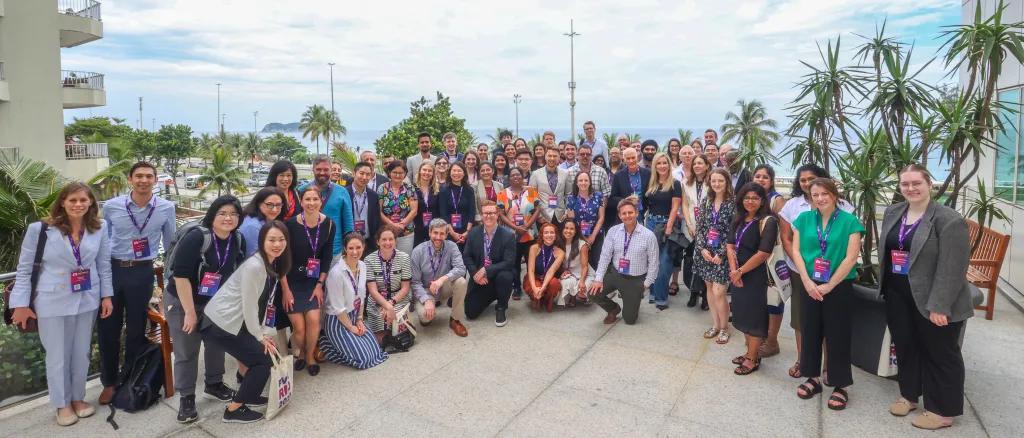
(843, 226)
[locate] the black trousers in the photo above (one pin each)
(133, 288)
(479, 297)
(246, 350)
(522, 251)
(595, 251)
(828, 320)
(929, 358)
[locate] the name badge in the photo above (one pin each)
(427, 217)
(696, 212)
(586, 227)
(396, 218)
(518, 219)
(81, 280)
(357, 305)
(360, 227)
(900, 262)
(487, 261)
(210, 284)
(552, 201)
(714, 238)
(822, 270)
(141, 247)
(456, 221)
(313, 268)
(624, 266)
(270, 319)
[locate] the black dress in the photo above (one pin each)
(750, 302)
(431, 205)
(300, 243)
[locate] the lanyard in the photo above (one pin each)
(76, 248)
(270, 305)
(435, 265)
(351, 279)
(221, 259)
(625, 243)
(455, 198)
(313, 241)
(152, 205)
(359, 211)
(739, 234)
(325, 196)
(905, 230)
(823, 238)
(547, 256)
(518, 199)
(487, 244)
(634, 183)
(715, 212)
(386, 265)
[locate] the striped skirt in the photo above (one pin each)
(342, 347)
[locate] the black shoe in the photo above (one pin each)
(693, 300)
(300, 364)
(661, 306)
(313, 369)
(258, 402)
(187, 409)
(242, 415)
(219, 391)
(704, 304)
(499, 318)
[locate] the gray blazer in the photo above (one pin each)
(939, 255)
(539, 179)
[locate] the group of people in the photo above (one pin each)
(344, 261)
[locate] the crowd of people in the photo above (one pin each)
(346, 261)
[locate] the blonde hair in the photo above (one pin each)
(654, 185)
(434, 186)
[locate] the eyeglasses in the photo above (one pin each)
(489, 213)
(227, 215)
(752, 198)
(273, 206)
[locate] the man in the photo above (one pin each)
(438, 274)
(710, 137)
(623, 141)
(451, 148)
(584, 163)
(687, 153)
(524, 161)
(548, 138)
(569, 152)
(388, 159)
(561, 152)
(337, 204)
(649, 148)
(597, 146)
(336, 174)
(630, 183)
(615, 160)
(638, 146)
(137, 223)
(490, 253)
(631, 250)
(365, 206)
(505, 139)
(370, 157)
(711, 151)
(740, 176)
(551, 182)
(413, 163)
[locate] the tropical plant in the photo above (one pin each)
(312, 124)
(754, 132)
(496, 137)
(685, 136)
(141, 144)
(281, 146)
(331, 126)
(27, 189)
(174, 144)
(113, 180)
(222, 174)
(984, 209)
(537, 138)
(610, 139)
(434, 118)
(252, 147)
(345, 156)
(867, 176)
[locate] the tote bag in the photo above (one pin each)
(282, 382)
(779, 287)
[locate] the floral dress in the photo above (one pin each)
(712, 230)
(585, 211)
(397, 205)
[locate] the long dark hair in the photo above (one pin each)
(283, 263)
(817, 170)
(465, 173)
(59, 218)
(572, 248)
(764, 211)
(278, 168)
(771, 174)
(211, 213)
(252, 209)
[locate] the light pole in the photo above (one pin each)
(220, 120)
(331, 64)
(223, 118)
(254, 114)
(140, 113)
(572, 79)
(517, 98)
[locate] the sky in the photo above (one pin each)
(638, 63)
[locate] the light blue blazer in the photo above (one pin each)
(54, 296)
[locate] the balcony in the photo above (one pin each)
(80, 22)
(5, 91)
(85, 151)
(82, 89)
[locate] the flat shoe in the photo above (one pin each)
(723, 337)
(901, 407)
(66, 420)
(710, 333)
(85, 412)
(929, 421)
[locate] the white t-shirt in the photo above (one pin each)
(798, 205)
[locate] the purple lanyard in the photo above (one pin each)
(739, 234)
(148, 216)
(351, 279)
(518, 200)
(434, 266)
(76, 248)
(326, 195)
(312, 241)
(634, 184)
(386, 266)
(905, 230)
(359, 211)
(456, 198)
(715, 213)
(221, 259)
(547, 257)
(628, 237)
(487, 244)
(823, 238)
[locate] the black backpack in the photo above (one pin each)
(139, 386)
(207, 241)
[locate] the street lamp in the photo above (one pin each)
(572, 78)
(517, 98)
(254, 114)
(220, 124)
(331, 64)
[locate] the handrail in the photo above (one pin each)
(81, 8)
(81, 79)
(85, 151)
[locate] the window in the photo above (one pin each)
(1007, 174)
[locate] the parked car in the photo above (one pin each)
(192, 182)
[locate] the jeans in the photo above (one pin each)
(659, 290)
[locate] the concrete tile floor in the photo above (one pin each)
(567, 374)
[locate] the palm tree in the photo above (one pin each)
(222, 174)
(537, 139)
(331, 126)
(312, 125)
(253, 146)
(27, 189)
(754, 132)
(610, 139)
(685, 135)
(496, 137)
(345, 156)
(113, 180)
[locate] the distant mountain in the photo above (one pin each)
(281, 127)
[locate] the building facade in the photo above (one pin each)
(35, 90)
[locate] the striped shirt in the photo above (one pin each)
(401, 270)
(642, 253)
(599, 181)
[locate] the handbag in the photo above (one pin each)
(31, 325)
(402, 335)
(779, 287)
(282, 379)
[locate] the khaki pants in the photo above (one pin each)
(454, 288)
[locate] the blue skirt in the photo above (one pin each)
(342, 347)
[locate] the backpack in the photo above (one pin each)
(207, 241)
(139, 386)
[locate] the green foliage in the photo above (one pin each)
(496, 137)
(282, 146)
(104, 127)
(341, 154)
(253, 146)
(685, 136)
(435, 119)
(318, 122)
(113, 180)
(754, 132)
(140, 144)
(174, 144)
(867, 175)
(610, 139)
(984, 209)
(27, 189)
(222, 174)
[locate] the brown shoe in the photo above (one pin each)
(107, 395)
(458, 328)
(930, 421)
(612, 317)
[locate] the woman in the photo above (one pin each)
(266, 205)
(683, 162)
(427, 201)
(73, 284)
(482, 151)
(696, 190)
(924, 257)
(389, 276)
(510, 151)
(764, 176)
(486, 188)
(458, 205)
(520, 207)
(587, 210)
(538, 156)
(519, 143)
(755, 232)
(683, 238)
(283, 176)
(500, 169)
(441, 166)
(599, 161)
(240, 319)
(826, 241)
(673, 151)
(197, 274)
(542, 266)
(302, 289)
(664, 198)
(713, 221)
(399, 205)
(471, 162)
(345, 340)
(576, 272)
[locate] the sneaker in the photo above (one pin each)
(242, 415)
(219, 391)
(187, 409)
(258, 402)
(499, 318)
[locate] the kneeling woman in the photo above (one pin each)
(240, 319)
(345, 340)
(545, 259)
(388, 283)
(577, 275)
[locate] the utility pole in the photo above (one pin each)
(223, 118)
(254, 114)
(517, 98)
(331, 64)
(140, 113)
(220, 120)
(572, 79)
(154, 124)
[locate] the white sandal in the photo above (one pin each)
(710, 333)
(723, 337)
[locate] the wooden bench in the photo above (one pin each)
(158, 333)
(986, 262)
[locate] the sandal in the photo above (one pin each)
(723, 337)
(840, 402)
(743, 370)
(710, 333)
(811, 388)
(738, 360)
(794, 371)
(570, 301)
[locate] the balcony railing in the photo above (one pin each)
(2, 77)
(85, 151)
(81, 8)
(81, 79)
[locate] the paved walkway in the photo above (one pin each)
(566, 374)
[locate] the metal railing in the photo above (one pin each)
(2, 77)
(85, 151)
(80, 8)
(81, 79)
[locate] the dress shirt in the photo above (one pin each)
(161, 225)
(422, 272)
(642, 255)
(341, 297)
(599, 181)
(361, 209)
(568, 164)
(597, 147)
